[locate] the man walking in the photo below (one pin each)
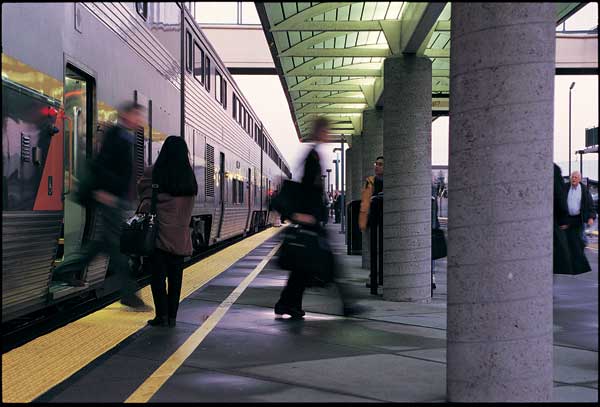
(579, 204)
(105, 189)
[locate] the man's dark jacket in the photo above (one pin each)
(586, 210)
(111, 169)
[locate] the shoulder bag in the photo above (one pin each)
(139, 233)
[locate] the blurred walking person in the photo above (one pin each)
(177, 190)
(105, 189)
(308, 214)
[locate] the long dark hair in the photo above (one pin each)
(172, 170)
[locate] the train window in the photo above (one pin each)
(218, 87)
(241, 192)
(224, 93)
(207, 73)
(234, 111)
(190, 53)
(198, 62)
(210, 170)
(142, 9)
(234, 195)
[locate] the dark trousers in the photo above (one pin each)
(106, 242)
(294, 290)
(165, 265)
(579, 262)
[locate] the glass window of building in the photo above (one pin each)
(213, 12)
(163, 21)
(142, 9)
(249, 13)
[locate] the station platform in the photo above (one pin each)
(228, 346)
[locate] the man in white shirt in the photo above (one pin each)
(579, 203)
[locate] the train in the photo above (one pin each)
(66, 67)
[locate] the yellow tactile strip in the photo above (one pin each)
(34, 368)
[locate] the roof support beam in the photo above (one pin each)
(301, 71)
(358, 51)
(346, 85)
(437, 53)
(417, 21)
(311, 109)
(368, 25)
(331, 99)
(298, 21)
(326, 88)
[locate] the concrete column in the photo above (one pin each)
(407, 185)
(372, 148)
(500, 207)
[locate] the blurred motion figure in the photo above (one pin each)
(104, 188)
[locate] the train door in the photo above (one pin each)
(221, 191)
(78, 148)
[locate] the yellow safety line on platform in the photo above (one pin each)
(153, 383)
(34, 368)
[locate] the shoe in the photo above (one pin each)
(172, 322)
(294, 312)
(158, 322)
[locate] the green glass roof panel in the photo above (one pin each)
(337, 72)
(356, 11)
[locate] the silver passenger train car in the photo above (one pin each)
(65, 68)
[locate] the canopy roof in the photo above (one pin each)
(329, 56)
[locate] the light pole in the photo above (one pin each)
(343, 200)
(337, 185)
(328, 182)
(570, 89)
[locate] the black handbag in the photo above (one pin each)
(307, 252)
(139, 233)
(438, 244)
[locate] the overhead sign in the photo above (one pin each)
(591, 137)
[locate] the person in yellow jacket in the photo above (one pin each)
(373, 186)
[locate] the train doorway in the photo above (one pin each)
(78, 149)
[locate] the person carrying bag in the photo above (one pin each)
(172, 185)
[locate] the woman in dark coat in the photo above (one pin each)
(308, 212)
(177, 191)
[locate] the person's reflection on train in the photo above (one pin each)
(105, 189)
(177, 189)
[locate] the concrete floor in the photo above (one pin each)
(390, 352)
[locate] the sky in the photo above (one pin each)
(268, 100)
